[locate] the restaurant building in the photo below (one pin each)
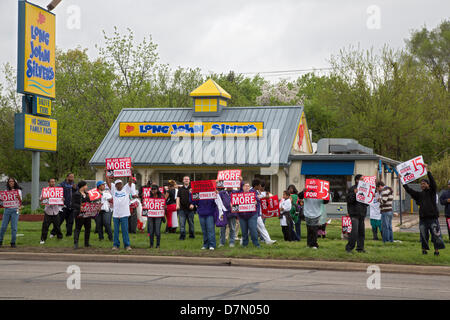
(272, 143)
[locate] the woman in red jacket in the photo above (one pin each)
(171, 202)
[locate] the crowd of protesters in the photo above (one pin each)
(121, 205)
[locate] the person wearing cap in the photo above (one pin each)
(445, 201)
(78, 198)
(428, 213)
(103, 219)
(121, 212)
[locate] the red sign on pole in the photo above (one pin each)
(154, 207)
(52, 195)
(229, 179)
(243, 202)
(317, 189)
(270, 207)
(203, 189)
(10, 199)
(118, 167)
(346, 224)
(94, 194)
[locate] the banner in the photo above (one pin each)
(53, 195)
(118, 167)
(229, 179)
(363, 194)
(346, 224)
(10, 199)
(270, 207)
(243, 202)
(411, 170)
(317, 189)
(203, 189)
(91, 209)
(154, 207)
(94, 194)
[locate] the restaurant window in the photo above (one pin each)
(338, 186)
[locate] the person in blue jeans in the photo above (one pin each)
(249, 220)
(207, 210)
(11, 214)
(185, 208)
(386, 198)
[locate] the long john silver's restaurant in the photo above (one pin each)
(272, 143)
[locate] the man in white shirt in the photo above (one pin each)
(121, 212)
(51, 216)
(103, 219)
(375, 215)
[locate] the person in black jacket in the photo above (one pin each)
(357, 212)
(78, 198)
(428, 213)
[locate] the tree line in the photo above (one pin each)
(394, 101)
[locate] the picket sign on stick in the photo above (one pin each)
(53, 195)
(118, 167)
(270, 207)
(229, 179)
(363, 193)
(346, 225)
(10, 199)
(411, 170)
(91, 209)
(372, 180)
(94, 194)
(317, 189)
(203, 189)
(243, 202)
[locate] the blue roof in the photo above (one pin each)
(157, 150)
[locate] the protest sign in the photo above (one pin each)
(10, 199)
(203, 189)
(372, 180)
(118, 167)
(90, 209)
(154, 207)
(411, 170)
(243, 202)
(363, 193)
(229, 179)
(94, 194)
(52, 195)
(270, 207)
(346, 225)
(317, 189)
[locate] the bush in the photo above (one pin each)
(26, 200)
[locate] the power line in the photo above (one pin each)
(286, 71)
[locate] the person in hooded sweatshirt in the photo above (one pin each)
(428, 214)
(207, 211)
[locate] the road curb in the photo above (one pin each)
(259, 263)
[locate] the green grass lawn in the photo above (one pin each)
(332, 248)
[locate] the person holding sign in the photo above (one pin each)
(171, 205)
(103, 219)
(249, 219)
(225, 196)
(445, 201)
(285, 217)
(153, 219)
(78, 198)
(11, 213)
(357, 212)
(207, 210)
(121, 212)
(428, 213)
(51, 215)
(69, 186)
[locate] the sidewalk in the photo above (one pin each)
(261, 263)
(408, 220)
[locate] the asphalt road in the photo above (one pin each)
(48, 280)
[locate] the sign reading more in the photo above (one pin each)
(229, 179)
(118, 167)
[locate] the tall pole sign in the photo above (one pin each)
(33, 128)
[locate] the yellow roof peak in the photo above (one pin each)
(210, 88)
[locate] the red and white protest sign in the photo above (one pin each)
(53, 195)
(411, 170)
(10, 199)
(154, 207)
(363, 193)
(203, 189)
(118, 167)
(243, 202)
(229, 179)
(270, 207)
(346, 224)
(317, 189)
(94, 194)
(372, 180)
(90, 209)
(161, 189)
